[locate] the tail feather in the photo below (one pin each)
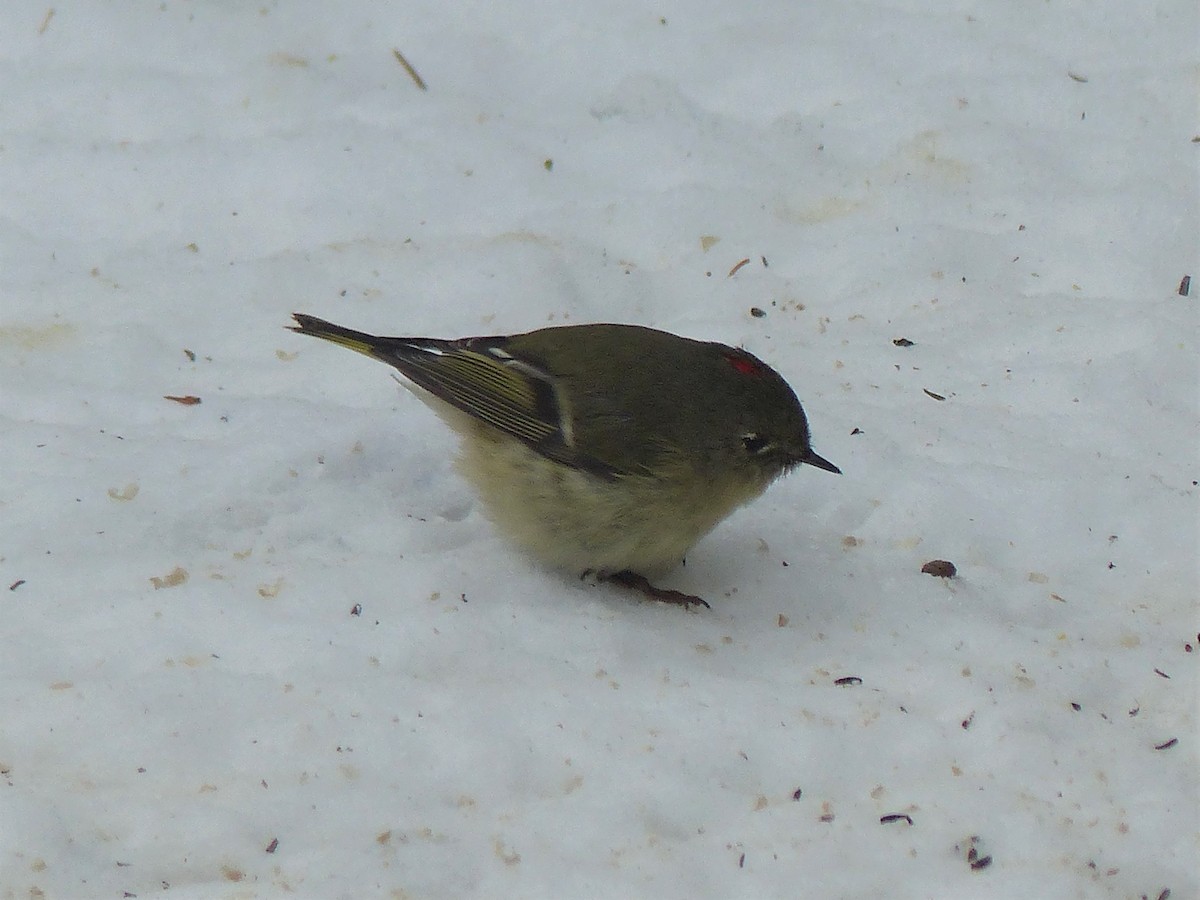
(367, 344)
(391, 350)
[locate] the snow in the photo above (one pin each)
(268, 645)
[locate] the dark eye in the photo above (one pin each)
(755, 443)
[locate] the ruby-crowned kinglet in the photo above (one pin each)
(608, 449)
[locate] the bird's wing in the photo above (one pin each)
(480, 377)
(517, 397)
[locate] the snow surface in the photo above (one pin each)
(268, 645)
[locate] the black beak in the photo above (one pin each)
(811, 459)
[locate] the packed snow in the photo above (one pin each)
(256, 636)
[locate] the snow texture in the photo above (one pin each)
(268, 645)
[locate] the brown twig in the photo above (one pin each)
(412, 73)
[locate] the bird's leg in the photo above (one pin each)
(636, 582)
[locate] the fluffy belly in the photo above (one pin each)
(573, 520)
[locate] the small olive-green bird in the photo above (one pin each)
(608, 449)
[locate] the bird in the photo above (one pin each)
(603, 449)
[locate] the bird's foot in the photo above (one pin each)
(641, 583)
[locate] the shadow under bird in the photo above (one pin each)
(603, 449)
